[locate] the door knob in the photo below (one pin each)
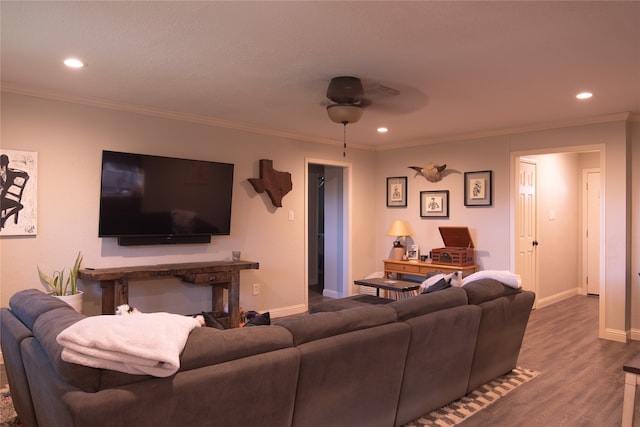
(535, 243)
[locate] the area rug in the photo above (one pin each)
(456, 412)
(8, 416)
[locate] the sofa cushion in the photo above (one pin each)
(29, 304)
(321, 325)
(210, 346)
(46, 328)
(483, 290)
(428, 303)
(349, 302)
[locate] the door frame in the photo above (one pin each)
(344, 260)
(601, 149)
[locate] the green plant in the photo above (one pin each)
(57, 285)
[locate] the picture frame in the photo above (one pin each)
(413, 252)
(478, 188)
(434, 204)
(19, 179)
(397, 191)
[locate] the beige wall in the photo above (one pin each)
(69, 139)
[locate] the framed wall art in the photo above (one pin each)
(434, 204)
(477, 188)
(397, 191)
(18, 185)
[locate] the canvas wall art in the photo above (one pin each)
(18, 191)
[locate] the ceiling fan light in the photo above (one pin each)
(344, 113)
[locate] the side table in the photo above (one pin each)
(402, 287)
(419, 268)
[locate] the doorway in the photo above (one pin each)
(560, 209)
(328, 226)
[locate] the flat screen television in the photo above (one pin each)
(147, 199)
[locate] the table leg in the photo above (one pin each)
(234, 300)
(217, 302)
(114, 293)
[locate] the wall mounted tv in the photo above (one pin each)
(147, 200)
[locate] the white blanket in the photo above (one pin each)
(504, 276)
(142, 344)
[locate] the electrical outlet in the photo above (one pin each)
(256, 288)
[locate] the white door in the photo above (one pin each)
(526, 225)
(592, 233)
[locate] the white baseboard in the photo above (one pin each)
(288, 311)
(635, 334)
(330, 293)
(616, 335)
(543, 302)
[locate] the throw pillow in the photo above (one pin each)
(259, 320)
(438, 286)
(211, 321)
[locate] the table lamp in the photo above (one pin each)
(399, 229)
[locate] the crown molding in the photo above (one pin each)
(607, 118)
(138, 109)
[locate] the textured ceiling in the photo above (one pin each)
(460, 67)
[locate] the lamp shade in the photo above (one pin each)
(400, 228)
(344, 113)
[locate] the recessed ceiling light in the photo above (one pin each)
(74, 63)
(382, 130)
(584, 95)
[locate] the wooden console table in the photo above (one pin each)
(419, 268)
(219, 275)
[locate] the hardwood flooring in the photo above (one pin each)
(581, 381)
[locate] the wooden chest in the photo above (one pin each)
(458, 248)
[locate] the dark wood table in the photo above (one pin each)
(219, 275)
(395, 285)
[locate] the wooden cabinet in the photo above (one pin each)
(419, 268)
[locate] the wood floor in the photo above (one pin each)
(581, 381)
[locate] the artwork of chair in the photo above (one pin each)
(12, 197)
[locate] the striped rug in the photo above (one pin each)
(461, 409)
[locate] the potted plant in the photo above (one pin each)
(64, 286)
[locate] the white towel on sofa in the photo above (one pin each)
(142, 344)
(504, 276)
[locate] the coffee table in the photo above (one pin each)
(395, 285)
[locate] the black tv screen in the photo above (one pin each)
(153, 199)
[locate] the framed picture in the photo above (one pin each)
(413, 252)
(434, 204)
(18, 204)
(477, 188)
(397, 191)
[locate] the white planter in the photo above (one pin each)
(75, 301)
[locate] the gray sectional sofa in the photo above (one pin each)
(351, 364)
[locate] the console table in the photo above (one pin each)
(419, 268)
(219, 275)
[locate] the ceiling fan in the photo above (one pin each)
(348, 100)
(347, 96)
